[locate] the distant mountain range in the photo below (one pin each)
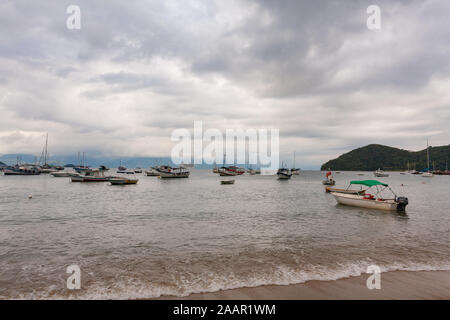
(376, 156)
(112, 162)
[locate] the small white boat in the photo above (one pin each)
(93, 175)
(427, 174)
(370, 201)
(380, 173)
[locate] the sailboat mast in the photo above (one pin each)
(46, 150)
(428, 156)
(294, 160)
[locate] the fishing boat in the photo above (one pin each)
(22, 170)
(227, 182)
(329, 181)
(380, 173)
(372, 201)
(167, 172)
(284, 174)
(228, 171)
(122, 181)
(347, 191)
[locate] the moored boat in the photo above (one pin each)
(284, 174)
(22, 170)
(329, 181)
(122, 181)
(90, 176)
(167, 172)
(227, 182)
(372, 201)
(152, 173)
(380, 173)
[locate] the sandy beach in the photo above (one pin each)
(410, 285)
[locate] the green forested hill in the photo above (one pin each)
(376, 156)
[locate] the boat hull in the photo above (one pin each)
(167, 175)
(19, 172)
(123, 181)
(283, 176)
(359, 201)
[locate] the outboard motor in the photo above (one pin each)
(402, 202)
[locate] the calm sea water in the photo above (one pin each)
(176, 237)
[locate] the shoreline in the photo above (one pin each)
(407, 285)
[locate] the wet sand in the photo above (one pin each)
(394, 285)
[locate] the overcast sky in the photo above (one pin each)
(137, 70)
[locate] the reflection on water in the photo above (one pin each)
(195, 235)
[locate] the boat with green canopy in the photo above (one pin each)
(377, 200)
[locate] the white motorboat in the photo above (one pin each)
(90, 176)
(372, 201)
(380, 173)
(427, 174)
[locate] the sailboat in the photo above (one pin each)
(45, 167)
(295, 171)
(428, 173)
(121, 168)
(284, 173)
